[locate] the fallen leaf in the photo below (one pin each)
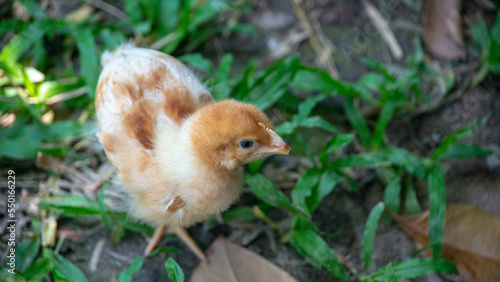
(230, 262)
(442, 31)
(471, 239)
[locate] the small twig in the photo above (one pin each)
(67, 95)
(96, 255)
(162, 42)
(383, 28)
(108, 8)
(316, 38)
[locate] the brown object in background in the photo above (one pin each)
(442, 29)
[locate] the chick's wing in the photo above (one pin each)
(141, 92)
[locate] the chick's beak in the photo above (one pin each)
(278, 146)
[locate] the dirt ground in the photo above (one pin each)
(343, 213)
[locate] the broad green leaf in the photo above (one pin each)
(174, 270)
(21, 42)
(368, 240)
(316, 79)
(88, 58)
(381, 68)
(306, 107)
(270, 194)
(310, 244)
(69, 204)
(304, 189)
(339, 141)
(133, 10)
(221, 88)
(318, 122)
(463, 151)
(34, 8)
(357, 121)
(126, 275)
(328, 180)
(371, 81)
(19, 148)
(389, 274)
(198, 61)
(48, 89)
(124, 220)
(272, 84)
(38, 269)
(414, 268)
(452, 138)
(242, 213)
(437, 201)
(26, 252)
(167, 24)
(405, 159)
(64, 270)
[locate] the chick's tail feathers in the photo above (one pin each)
(108, 56)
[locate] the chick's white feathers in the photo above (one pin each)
(169, 141)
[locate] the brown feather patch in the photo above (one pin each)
(140, 122)
(205, 99)
(178, 103)
(108, 142)
(176, 205)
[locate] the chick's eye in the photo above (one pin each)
(246, 144)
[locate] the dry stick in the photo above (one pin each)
(96, 255)
(112, 10)
(319, 44)
(383, 28)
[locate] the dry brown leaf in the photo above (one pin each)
(442, 29)
(230, 262)
(471, 239)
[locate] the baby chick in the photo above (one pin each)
(178, 153)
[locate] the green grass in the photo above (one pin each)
(29, 93)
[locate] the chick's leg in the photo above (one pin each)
(155, 240)
(190, 243)
(183, 236)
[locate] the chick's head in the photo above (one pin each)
(228, 134)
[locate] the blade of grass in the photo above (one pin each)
(304, 189)
(390, 275)
(88, 59)
(463, 151)
(357, 121)
(413, 268)
(367, 243)
(452, 138)
(437, 199)
(221, 87)
(64, 270)
(311, 245)
(270, 194)
(392, 193)
(411, 201)
(126, 275)
(27, 251)
(174, 270)
(382, 122)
